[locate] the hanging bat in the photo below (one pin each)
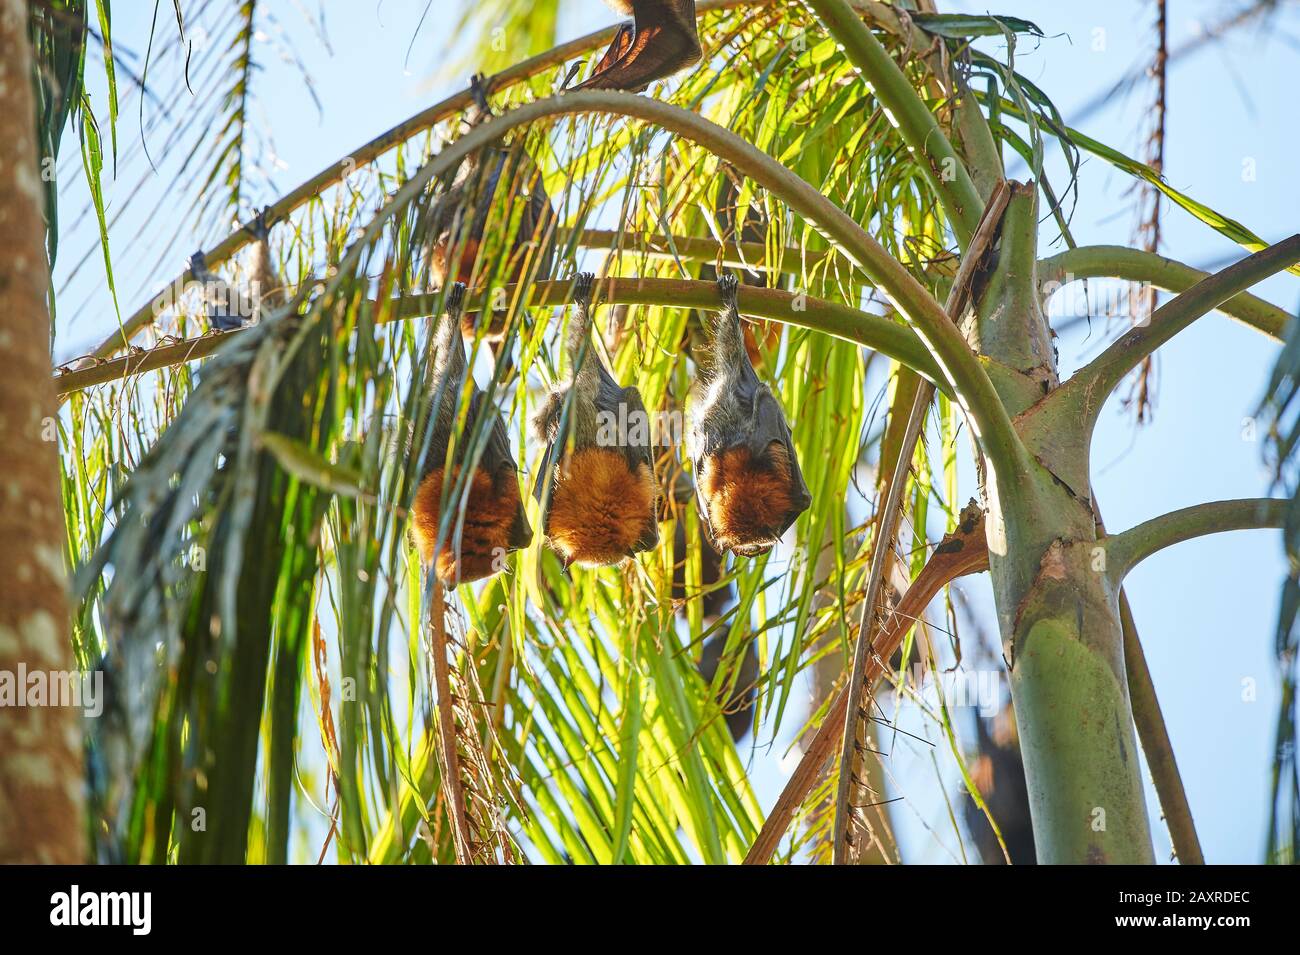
(454, 245)
(597, 486)
(661, 40)
(494, 520)
(747, 479)
(229, 308)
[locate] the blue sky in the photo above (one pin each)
(1205, 609)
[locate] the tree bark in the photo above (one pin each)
(41, 778)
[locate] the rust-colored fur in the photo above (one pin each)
(599, 509)
(489, 515)
(749, 499)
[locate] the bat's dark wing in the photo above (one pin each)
(663, 41)
(631, 436)
(770, 426)
(702, 511)
(617, 50)
(499, 461)
(547, 424)
(497, 454)
(638, 445)
(636, 441)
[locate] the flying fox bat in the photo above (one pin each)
(494, 520)
(477, 188)
(747, 477)
(597, 484)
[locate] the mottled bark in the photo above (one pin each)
(41, 774)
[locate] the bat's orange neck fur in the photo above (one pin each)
(485, 539)
(599, 509)
(749, 498)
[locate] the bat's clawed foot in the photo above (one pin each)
(456, 299)
(478, 89)
(572, 75)
(728, 288)
(582, 287)
(260, 227)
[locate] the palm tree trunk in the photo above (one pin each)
(41, 775)
(1058, 612)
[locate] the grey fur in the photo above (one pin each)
(450, 367)
(735, 408)
(447, 378)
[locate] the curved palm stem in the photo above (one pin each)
(1086, 392)
(1127, 549)
(863, 328)
(1170, 275)
(960, 367)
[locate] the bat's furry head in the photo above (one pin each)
(492, 528)
(750, 500)
(601, 512)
